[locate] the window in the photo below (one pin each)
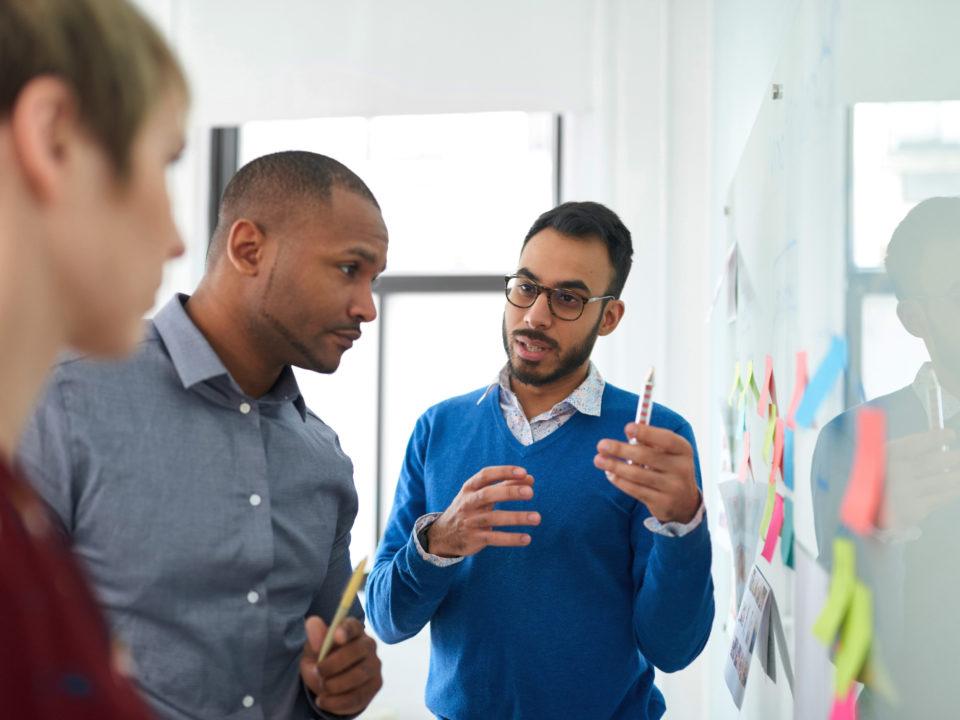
(901, 153)
(458, 193)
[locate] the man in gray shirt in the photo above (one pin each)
(211, 509)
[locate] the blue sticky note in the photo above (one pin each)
(788, 458)
(823, 380)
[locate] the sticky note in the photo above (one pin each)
(823, 380)
(845, 708)
(799, 386)
(842, 583)
(736, 383)
(750, 382)
(861, 502)
(855, 639)
(773, 532)
(786, 533)
(788, 457)
(778, 441)
(770, 433)
(768, 393)
(768, 510)
(745, 465)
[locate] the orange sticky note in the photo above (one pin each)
(861, 503)
(768, 393)
(778, 438)
(845, 708)
(773, 532)
(745, 465)
(800, 384)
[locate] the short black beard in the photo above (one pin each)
(570, 361)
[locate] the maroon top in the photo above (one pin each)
(56, 658)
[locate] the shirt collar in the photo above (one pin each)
(587, 398)
(196, 361)
(924, 383)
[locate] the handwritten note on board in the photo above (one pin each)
(773, 532)
(861, 502)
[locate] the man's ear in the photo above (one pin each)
(44, 127)
(612, 314)
(913, 317)
(246, 247)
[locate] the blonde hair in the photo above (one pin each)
(113, 59)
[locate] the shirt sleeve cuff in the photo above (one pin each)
(419, 526)
(675, 529)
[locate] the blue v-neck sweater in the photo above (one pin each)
(570, 626)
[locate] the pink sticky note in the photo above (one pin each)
(845, 708)
(745, 465)
(861, 503)
(777, 463)
(773, 532)
(800, 384)
(768, 393)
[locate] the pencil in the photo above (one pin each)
(346, 601)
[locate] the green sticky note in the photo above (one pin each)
(855, 638)
(842, 584)
(768, 509)
(786, 533)
(736, 383)
(771, 433)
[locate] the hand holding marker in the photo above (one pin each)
(643, 410)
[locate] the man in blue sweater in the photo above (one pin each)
(556, 602)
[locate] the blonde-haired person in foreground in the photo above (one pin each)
(92, 104)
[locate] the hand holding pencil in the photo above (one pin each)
(339, 663)
(654, 466)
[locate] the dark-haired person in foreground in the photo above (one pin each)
(551, 590)
(211, 508)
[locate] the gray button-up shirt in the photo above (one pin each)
(210, 522)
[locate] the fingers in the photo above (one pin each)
(644, 494)
(497, 473)
(503, 492)
(346, 655)
(316, 631)
(352, 702)
(349, 629)
(504, 539)
(664, 440)
(499, 518)
(634, 474)
(651, 457)
(355, 676)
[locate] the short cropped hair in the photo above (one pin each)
(933, 222)
(267, 186)
(589, 221)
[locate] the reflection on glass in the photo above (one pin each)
(909, 561)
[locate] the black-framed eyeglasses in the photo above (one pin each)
(522, 292)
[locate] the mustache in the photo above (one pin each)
(538, 337)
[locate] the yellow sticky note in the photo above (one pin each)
(769, 436)
(768, 509)
(855, 638)
(842, 584)
(736, 384)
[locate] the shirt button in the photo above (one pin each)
(254, 499)
(248, 701)
(252, 597)
(245, 407)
